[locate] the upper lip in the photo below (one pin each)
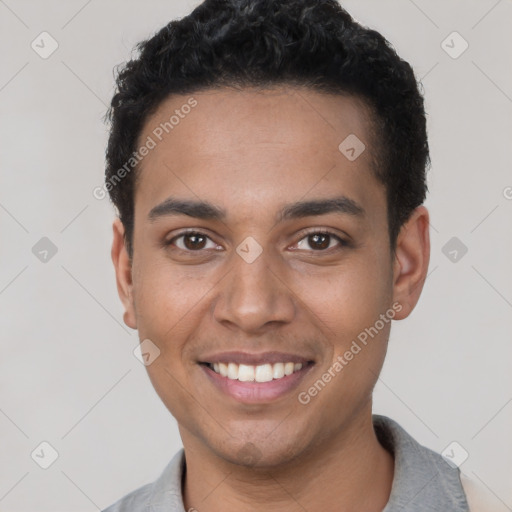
(255, 359)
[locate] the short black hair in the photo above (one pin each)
(267, 43)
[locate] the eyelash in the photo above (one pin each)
(342, 243)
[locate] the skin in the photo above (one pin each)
(251, 152)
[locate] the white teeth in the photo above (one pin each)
(249, 373)
(263, 373)
(278, 370)
(288, 368)
(232, 371)
(223, 369)
(245, 373)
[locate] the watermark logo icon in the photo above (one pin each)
(44, 455)
(352, 147)
(146, 352)
(44, 250)
(249, 249)
(454, 250)
(44, 45)
(250, 454)
(454, 45)
(455, 454)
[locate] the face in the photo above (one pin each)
(262, 250)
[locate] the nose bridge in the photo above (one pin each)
(253, 295)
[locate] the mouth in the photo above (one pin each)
(261, 373)
(256, 378)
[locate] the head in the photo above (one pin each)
(290, 142)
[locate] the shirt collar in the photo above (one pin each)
(423, 480)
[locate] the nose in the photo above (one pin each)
(254, 297)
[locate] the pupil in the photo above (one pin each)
(194, 244)
(325, 242)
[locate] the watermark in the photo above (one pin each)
(304, 397)
(44, 250)
(454, 249)
(352, 147)
(507, 193)
(249, 250)
(454, 45)
(150, 143)
(455, 454)
(44, 455)
(146, 352)
(250, 454)
(44, 45)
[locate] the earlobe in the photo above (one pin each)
(123, 269)
(412, 257)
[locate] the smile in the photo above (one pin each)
(257, 383)
(250, 373)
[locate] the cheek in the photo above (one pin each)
(168, 305)
(170, 385)
(167, 299)
(347, 299)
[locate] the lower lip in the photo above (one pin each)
(257, 392)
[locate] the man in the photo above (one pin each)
(267, 161)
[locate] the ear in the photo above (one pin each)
(412, 256)
(123, 270)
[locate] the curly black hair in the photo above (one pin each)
(267, 43)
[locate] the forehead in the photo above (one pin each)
(263, 146)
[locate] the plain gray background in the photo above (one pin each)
(68, 375)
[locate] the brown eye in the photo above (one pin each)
(194, 241)
(320, 241)
(190, 241)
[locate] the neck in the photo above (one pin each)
(351, 472)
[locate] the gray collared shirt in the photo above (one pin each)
(423, 480)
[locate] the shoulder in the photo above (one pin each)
(479, 498)
(423, 479)
(162, 494)
(135, 501)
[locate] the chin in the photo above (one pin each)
(264, 454)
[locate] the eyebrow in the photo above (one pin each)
(208, 211)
